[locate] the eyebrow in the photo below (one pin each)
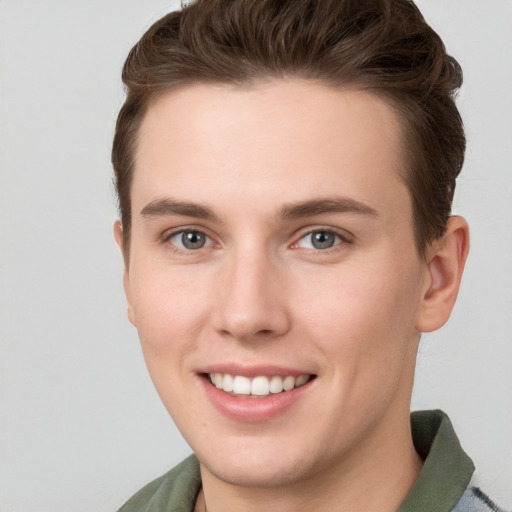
(298, 210)
(165, 207)
(325, 206)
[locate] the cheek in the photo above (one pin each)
(170, 309)
(362, 315)
(168, 306)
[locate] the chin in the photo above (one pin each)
(263, 464)
(273, 474)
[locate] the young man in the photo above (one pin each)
(285, 171)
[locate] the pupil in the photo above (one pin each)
(193, 240)
(323, 240)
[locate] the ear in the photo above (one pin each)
(446, 258)
(118, 235)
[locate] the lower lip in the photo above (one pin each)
(250, 409)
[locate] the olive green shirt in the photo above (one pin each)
(441, 486)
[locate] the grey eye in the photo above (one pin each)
(190, 240)
(320, 239)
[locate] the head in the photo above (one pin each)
(285, 173)
(381, 46)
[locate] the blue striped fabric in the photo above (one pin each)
(474, 500)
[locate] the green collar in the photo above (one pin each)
(176, 491)
(447, 469)
(442, 481)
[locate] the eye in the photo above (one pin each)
(319, 239)
(190, 240)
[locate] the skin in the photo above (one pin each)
(260, 293)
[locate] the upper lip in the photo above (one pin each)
(253, 370)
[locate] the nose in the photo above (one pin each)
(252, 301)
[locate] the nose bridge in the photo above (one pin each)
(252, 298)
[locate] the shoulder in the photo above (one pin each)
(475, 500)
(447, 481)
(175, 491)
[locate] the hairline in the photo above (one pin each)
(253, 82)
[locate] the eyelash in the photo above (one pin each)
(341, 239)
(167, 239)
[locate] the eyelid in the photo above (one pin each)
(345, 236)
(207, 240)
(170, 233)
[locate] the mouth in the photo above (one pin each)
(255, 394)
(260, 386)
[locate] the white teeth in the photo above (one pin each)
(301, 380)
(241, 385)
(276, 384)
(288, 383)
(258, 386)
(227, 382)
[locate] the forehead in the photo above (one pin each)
(284, 140)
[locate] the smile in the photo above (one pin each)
(255, 394)
(258, 386)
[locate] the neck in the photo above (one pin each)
(377, 477)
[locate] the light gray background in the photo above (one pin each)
(81, 426)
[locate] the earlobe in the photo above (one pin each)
(445, 264)
(118, 235)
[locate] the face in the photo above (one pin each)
(272, 252)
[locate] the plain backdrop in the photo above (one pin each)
(81, 426)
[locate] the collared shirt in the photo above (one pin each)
(443, 484)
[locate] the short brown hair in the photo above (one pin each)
(383, 46)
